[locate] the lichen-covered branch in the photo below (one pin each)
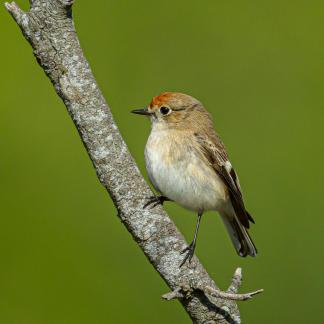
(185, 290)
(48, 27)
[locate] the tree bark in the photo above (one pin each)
(48, 26)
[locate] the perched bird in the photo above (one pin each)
(187, 163)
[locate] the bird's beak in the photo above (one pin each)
(141, 111)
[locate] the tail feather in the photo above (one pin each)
(239, 236)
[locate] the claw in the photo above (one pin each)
(155, 200)
(150, 201)
(190, 249)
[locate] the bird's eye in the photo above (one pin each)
(164, 110)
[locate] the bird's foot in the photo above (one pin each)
(190, 249)
(155, 200)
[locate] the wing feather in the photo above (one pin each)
(214, 151)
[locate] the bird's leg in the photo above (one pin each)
(190, 249)
(156, 200)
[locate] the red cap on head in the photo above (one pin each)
(161, 98)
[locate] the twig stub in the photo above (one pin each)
(231, 294)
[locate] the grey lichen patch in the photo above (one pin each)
(151, 249)
(169, 264)
(24, 21)
(37, 35)
(169, 241)
(101, 152)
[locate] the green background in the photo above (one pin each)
(258, 68)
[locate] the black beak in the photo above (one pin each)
(141, 111)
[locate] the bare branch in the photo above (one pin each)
(236, 281)
(49, 28)
(232, 296)
(176, 293)
(185, 290)
(16, 12)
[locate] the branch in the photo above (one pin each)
(185, 291)
(49, 28)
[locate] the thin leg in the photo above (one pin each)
(190, 249)
(156, 200)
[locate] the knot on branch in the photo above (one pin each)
(185, 291)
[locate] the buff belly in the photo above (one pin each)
(180, 174)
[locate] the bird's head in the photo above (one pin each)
(174, 109)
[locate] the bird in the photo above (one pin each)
(187, 162)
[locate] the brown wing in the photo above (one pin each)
(214, 151)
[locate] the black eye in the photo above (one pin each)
(164, 110)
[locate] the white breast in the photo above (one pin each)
(179, 173)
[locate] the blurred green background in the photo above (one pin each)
(258, 67)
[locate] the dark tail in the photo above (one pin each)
(239, 236)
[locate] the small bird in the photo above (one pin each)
(187, 163)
